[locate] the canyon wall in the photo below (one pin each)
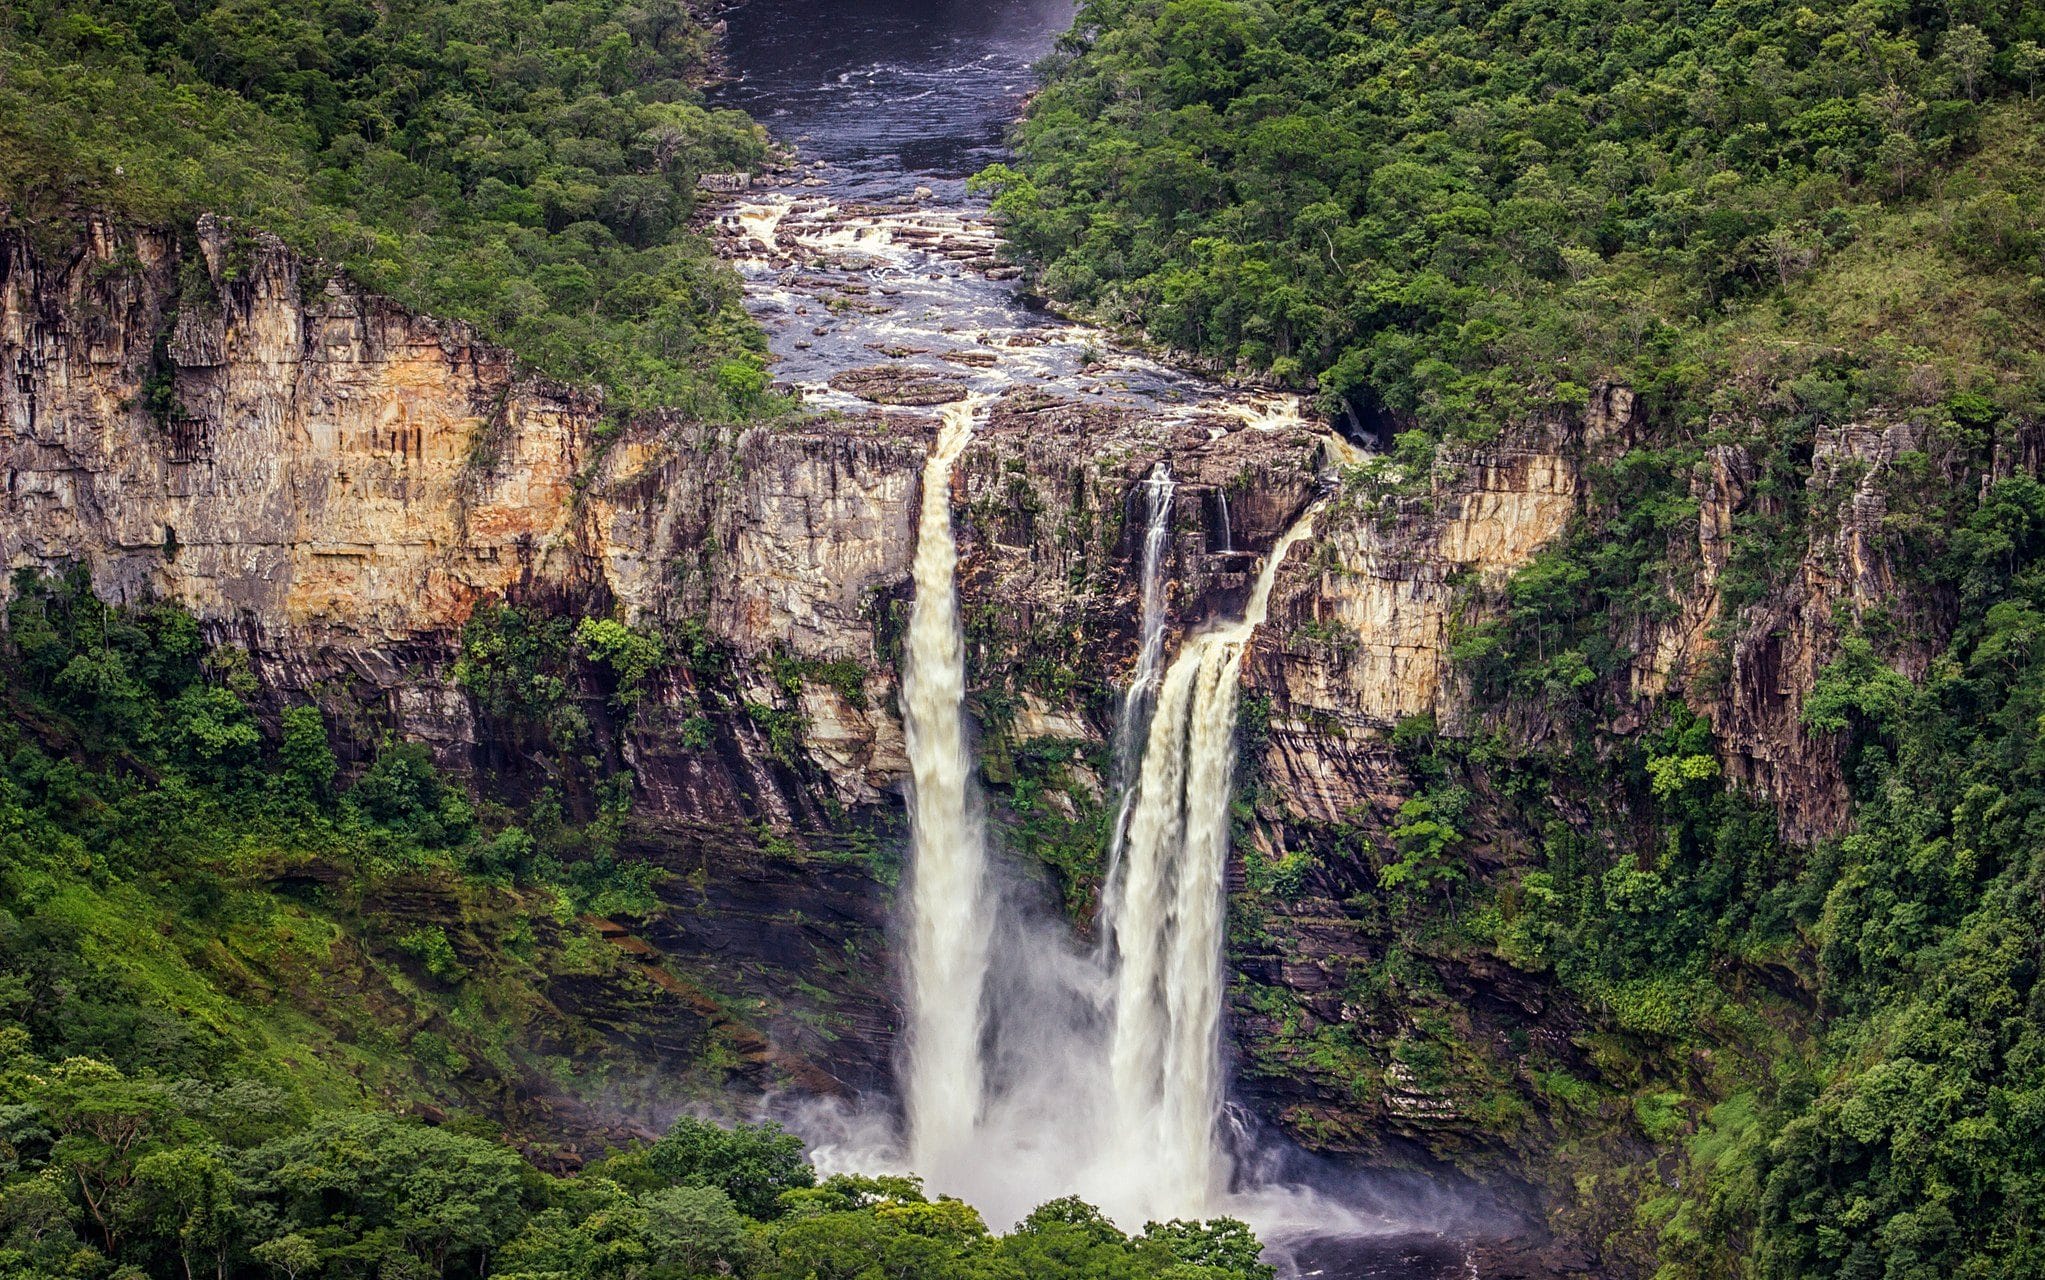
(336, 485)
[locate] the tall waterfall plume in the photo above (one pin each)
(950, 902)
(1032, 1068)
(1166, 917)
(1137, 699)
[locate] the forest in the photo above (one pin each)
(1444, 217)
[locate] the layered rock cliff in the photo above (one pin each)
(336, 486)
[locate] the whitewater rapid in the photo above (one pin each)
(1141, 693)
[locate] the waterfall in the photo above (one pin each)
(1142, 690)
(1228, 536)
(1031, 1069)
(1166, 918)
(950, 904)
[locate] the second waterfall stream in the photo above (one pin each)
(1032, 1067)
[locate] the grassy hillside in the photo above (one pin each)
(525, 166)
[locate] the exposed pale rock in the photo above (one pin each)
(1360, 626)
(337, 470)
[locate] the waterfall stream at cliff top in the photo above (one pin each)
(1141, 693)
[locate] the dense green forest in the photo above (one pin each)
(525, 166)
(194, 1080)
(1770, 220)
(1457, 214)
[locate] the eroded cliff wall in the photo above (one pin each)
(336, 486)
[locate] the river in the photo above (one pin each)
(878, 279)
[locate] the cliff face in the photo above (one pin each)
(335, 485)
(319, 465)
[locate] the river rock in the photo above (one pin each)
(883, 384)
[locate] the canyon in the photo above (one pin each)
(341, 483)
(338, 487)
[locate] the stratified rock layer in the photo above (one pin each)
(335, 485)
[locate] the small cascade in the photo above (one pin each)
(951, 906)
(1137, 699)
(1228, 536)
(1166, 919)
(762, 222)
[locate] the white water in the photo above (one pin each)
(1167, 916)
(1143, 680)
(1034, 1070)
(949, 901)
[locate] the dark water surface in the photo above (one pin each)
(881, 98)
(889, 92)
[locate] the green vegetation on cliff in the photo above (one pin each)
(234, 977)
(525, 166)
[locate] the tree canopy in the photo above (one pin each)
(527, 166)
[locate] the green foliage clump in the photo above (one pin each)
(402, 792)
(529, 167)
(512, 661)
(751, 1164)
(1054, 817)
(628, 655)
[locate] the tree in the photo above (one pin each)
(103, 1123)
(751, 1163)
(1968, 52)
(309, 764)
(188, 1194)
(1428, 845)
(696, 1227)
(853, 1246)
(629, 655)
(435, 1195)
(291, 1254)
(1221, 1247)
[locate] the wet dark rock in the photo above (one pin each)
(883, 384)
